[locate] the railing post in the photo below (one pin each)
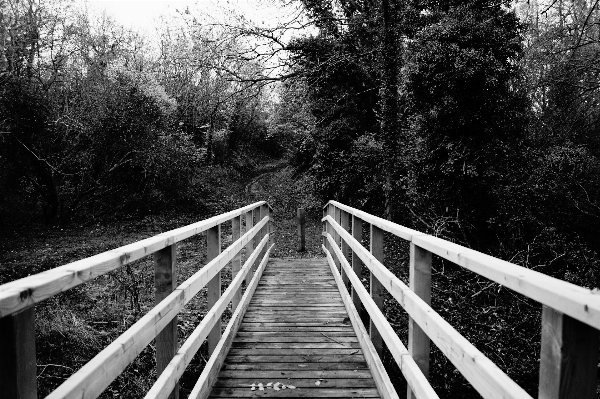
(250, 244)
(329, 228)
(213, 249)
(568, 357)
(345, 223)
(236, 262)
(17, 355)
(271, 228)
(357, 225)
(376, 286)
(264, 211)
(165, 281)
(420, 283)
(301, 230)
(337, 237)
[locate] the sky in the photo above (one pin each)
(143, 15)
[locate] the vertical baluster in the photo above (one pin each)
(337, 237)
(301, 229)
(165, 281)
(375, 285)
(17, 355)
(250, 244)
(236, 262)
(329, 228)
(420, 283)
(357, 225)
(264, 211)
(345, 223)
(213, 249)
(568, 357)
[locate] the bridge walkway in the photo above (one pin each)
(296, 333)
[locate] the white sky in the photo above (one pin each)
(142, 15)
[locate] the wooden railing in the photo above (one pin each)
(570, 314)
(18, 299)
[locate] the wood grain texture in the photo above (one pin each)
(213, 293)
(480, 371)
(568, 358)
(301, 229)
(414, 377)
(249, 222)
(580, 303)
(303, 335)
(165, 278)
(236, 263)
(357, 226)
(375, 286)
(420, 282)
(17, 355)
(25, 292)
(91, 380)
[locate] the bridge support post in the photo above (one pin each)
(420, 282)
(236, 262)
(17, 355)
(213, 249)
(165, 281)
(376, 287)
(250, 244)
(345, 223)
(328, 228)
(264, 211)
(568, 357)
(301, 230)
(336, 237)
(357, 226)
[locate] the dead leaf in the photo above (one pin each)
(318, 383)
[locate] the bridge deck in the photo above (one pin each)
(296, 332)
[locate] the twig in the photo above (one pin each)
(328, 337)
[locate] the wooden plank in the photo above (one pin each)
(174, 370)
(357, 226)
(337, 373)
(250, 245)
(345, 333)
(309, 382)
(17, 355)
(296, 359)
(376, 248)
(213, 293)
(25, 292)
(482, 373)
(380, 376)
(327, 344)
(165, 278)
(93, 378)
(209, 374)
(323, 338)
(301, 229)
(236, 263)
(569, 357)
(279, 367)
(345, 223)
(420, 283)
(298, 392)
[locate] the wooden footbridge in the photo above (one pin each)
(295, 330)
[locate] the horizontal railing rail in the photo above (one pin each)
(160, 323)
(569, 347)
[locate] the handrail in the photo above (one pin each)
(91, 380)
(569, 347)
(27, 291)
(578, 302)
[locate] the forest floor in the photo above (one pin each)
(74, 326)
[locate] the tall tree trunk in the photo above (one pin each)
(389, 124)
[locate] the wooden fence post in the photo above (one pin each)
(376, 286)
(213, 249)
(250, 244)
(264, 211)
(236, 262)
(17, 355)
(165, 281)
(420, 283)
(301, 230)
(337, 237)
(345, 223)
(357, 225)
(568, 357)
(329, 228)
